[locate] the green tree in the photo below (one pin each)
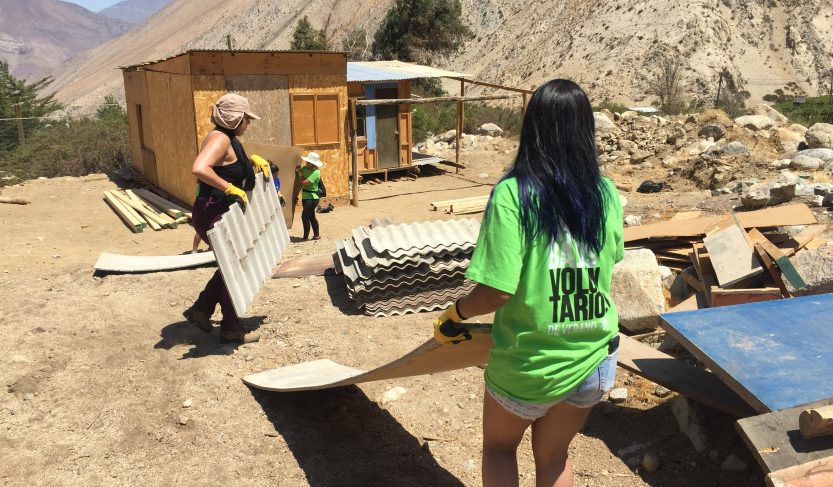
(417, 30)
(111, 109)
(19, 98)
(307, 38)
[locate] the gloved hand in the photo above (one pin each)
(447, 328)
(281, 199)
(261, 165)
(238, 194)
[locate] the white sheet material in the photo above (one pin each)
(150, 263)
(249, 245)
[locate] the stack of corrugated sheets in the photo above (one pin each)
(408, 268)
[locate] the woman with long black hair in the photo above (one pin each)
(551, 234)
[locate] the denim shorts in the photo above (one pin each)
(586, 395)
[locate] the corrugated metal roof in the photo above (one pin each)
(233, 51)
(394, 71)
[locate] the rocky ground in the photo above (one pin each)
(105, 384)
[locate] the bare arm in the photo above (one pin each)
(212, 153)
(482, 300)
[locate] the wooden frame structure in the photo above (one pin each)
(301, 98)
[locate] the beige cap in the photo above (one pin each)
(229, 110)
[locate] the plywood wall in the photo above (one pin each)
(172, 112)
(337, 164)
(268, 96)
(136, 95)
(207, 89)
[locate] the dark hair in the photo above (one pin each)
(559, 181)
(274, 167)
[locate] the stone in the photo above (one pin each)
(28, 397)
(755, 122)
(430, 146)
(447, 136)
(820, 135)
(391, 395)
(661, 391)
(788, 140)
(633, 220)
(716, 132)
(639, 156)
(780, 164)
(826, 155)
(735, 148)
(628, 115)
(637, 291)
(733, 464)
(783, 188)
(618, 395)
(187, 403)
(604, 125)
(650, 462)
(623, 200)
(483, 175)
(773, 114)
(667, 276)
(798, 128)
(490, 129)
(805, 163)
(814, 266)
(677, 134)
(689, 422)
(182, 420)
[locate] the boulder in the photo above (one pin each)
(783, 188)
(490, 129)
(805, 163)
(820, 135)
(777, 118)
(788, 140)
(716, 132)
(637, 291)
(628, 115)
(797, 128)
(780, 164)
(826, 155)
(755, 122)
(447, 136)
(604, 125)
(816, 269)
(756, 197)
(735, 149)
(639, 156)
(633, 221)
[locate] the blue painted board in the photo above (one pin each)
(775, 354)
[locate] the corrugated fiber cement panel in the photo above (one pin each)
(774, 354)
(423, 237)
(249, 245)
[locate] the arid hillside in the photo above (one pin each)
(37, 36)
(610, 47)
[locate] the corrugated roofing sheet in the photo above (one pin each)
(424, 238)
(395, 71)
(233, 51)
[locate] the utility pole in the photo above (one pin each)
(719, 86)
(20, 135)
(228, 41)
(830, 88)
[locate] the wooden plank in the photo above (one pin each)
(783, 263)
(776, 442)
(773, 271)
(797, 214)
(168, 221)
(438, 99)
(802, 239)
(132, 223)
(129, 209)
(151, 217)
(818, 473)
(815, 243)
(675, 374)
(438, 205)
(692, 281)
(703, 266)
(309, 265)
(695, 301)
(687, 215)
(728, 297)
(170, 208)
(108, 262)
(774, 354)
(731, 255)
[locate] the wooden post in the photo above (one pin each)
(461, 107)
(354, 146)
(21, 137)
(719, 87)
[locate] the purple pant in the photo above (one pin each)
(207, 212)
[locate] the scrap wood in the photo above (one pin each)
(692, 281)
(133, 223)
(817, 473)
(149, 215)
(776, 443)
(438, 205)
(797, 214)
(731, 255)
(781, 260)
(14, 201)
(309, 265)
(816, 422)
(159, 213)
(108, 262)
(165, 205)
(768, 263)
(695, 301)
(702, 264)
(727, 297)
(687, 215)
(802, 239)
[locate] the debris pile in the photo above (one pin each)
(407, 268)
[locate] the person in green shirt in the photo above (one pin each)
(551, 234)
(310, 177)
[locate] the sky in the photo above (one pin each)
(95, 5)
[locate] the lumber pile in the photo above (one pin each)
(407, 268)
(141, 208)
(736, 258)
(461, 206)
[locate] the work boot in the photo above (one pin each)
(239, 336)
(198, 318)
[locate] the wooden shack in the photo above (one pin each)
(300, 96)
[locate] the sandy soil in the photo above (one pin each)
(96, 369)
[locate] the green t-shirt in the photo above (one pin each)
(309, 191)
(554, 330)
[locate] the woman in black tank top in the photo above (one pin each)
(220, 185)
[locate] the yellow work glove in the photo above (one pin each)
(261, 165)
(238, 195)
(447, 328)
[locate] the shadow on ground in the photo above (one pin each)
(204, 344)
(337, 290)
(340, 437)
(629, 433)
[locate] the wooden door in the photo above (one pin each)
(387, 131)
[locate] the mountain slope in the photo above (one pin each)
(37, 36)
(134, 11)
(609, 47)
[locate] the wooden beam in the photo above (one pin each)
(164, 199)
(437, 205)
(169, 207)
(727, 297)
(799, 241)
(354, 151)
(14, 201)
(151, 217)
(493, 85)
(439, 99)
(132, 223)
(783, 263)
(461, 110)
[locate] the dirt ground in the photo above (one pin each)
(98, 370)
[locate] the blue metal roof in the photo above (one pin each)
(394, 71)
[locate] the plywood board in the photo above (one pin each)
(268, 96)
(774, 354)
(108, 262)
(172, 111)
(728, 297)
(797, 214)
(206, 91)
(287, 158)
(337, 165)
(731, 255)
(817, 473)
(429, 358)
(777, 444)
(308, 265)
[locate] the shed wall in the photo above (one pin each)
(268, 96)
